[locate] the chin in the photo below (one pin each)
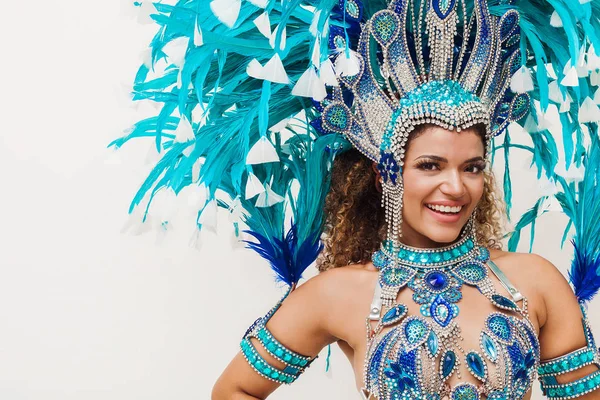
(445, 236)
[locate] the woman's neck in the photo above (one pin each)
(415, 239)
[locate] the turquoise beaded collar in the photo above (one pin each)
(428, 257)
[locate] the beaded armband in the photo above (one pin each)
(549, 369)
(295, 363)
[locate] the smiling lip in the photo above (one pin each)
(445, 218)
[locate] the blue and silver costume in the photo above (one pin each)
(257, 97)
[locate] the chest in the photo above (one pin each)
(449, 334)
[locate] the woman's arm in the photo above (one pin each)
(562, 329)
(299, 325)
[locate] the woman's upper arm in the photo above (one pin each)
(562, 331)
(298, 325)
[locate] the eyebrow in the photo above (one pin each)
(442, 159)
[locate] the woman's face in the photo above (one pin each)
(443, 182)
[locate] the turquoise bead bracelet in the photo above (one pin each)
(262, 367)
(574, 389)
(280, 352)
(567, 363)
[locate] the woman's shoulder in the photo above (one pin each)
(341, 282)
(526, 265)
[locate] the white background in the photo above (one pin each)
(85, 311)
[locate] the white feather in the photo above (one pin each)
(283, 38)
(314, 29)
(584, 1)
(595, 78)
(274, 71)
(197, 196)
(253, 186)
(164, 204)
(316, 53)
(597, 96)
(550, 71)
(554, 93)
(227, 11)
(347, 65)
(521, 81)
(589, 111)
(582, 68)
(593, 60)
(255, 70)
(573, 174)
(259, 3)
(268, 198)
(196, 170)
(263, 23)
(281, 125)
(555, 20)
(184, 131)
(188, 150)
(235, 210)
(310, 85)
(195, 241)
(546, 186)
(570, 78)
(198, 38)
(530, 125)
(328, 73)
(208, 218)
(565, 106)
(145, 10)
(262, 152)
(176, 49)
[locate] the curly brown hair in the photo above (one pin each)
(355, 219)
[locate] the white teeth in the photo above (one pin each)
(446, 209)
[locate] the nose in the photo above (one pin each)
(453, 185)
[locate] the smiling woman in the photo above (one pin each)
(384, 179)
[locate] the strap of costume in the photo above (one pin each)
(514, 292)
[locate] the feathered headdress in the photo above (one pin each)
(254, 93)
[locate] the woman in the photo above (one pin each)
(332, 306)
(417, 293)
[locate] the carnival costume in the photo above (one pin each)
(259, 96)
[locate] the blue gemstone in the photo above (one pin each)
(465, 391)
(394, 314)
(504, 302)
(476, 365)
(437, 280)
(432, 343)
(448, 363)
(441, 311)
(500, 327)
(489, 348)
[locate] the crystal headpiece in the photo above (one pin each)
(424, 71)
(414, 68)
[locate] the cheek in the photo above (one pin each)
(475, 189)
(417, 189)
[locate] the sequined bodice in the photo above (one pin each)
(418, 356)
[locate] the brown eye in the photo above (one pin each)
(428, 166)
(476, 168)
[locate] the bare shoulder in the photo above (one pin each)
(338, 285)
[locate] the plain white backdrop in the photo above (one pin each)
(85, 311)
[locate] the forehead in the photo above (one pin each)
(445, 143)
